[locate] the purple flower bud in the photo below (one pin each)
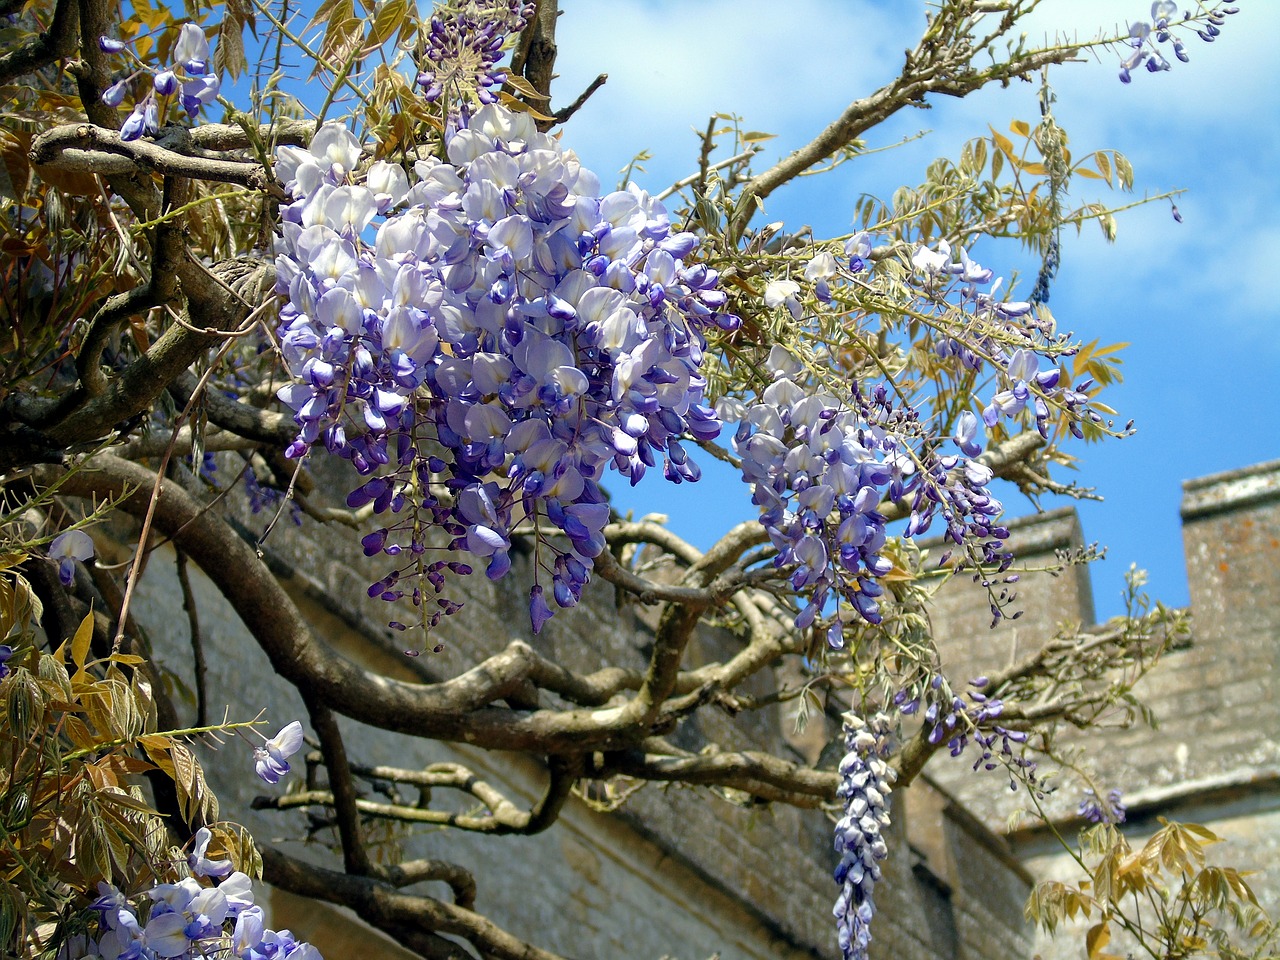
(539, 612)
(165, 83)
(372, 543)
(110, 45)
(135, 124)
(113, 96)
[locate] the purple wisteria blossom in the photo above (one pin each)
(1147, 38)
(865, 782)
(187, 79)
(202, 866)
(496, 330)
(66, 549)
(187, 918)
(464, 48)
(949, 718)
(1007, 337)
(820, 466)
(271, 760)
(6, 654)
(1097, 810)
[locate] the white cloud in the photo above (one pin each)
(789, 71)
(1196, 299)
(671, 65)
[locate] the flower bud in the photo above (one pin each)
(165, 83)
(113, 96)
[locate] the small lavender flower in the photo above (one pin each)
(136, 123)
(67, 548)
(966, 435)
(202, 866)
(192, 49)
(6, 654)
(272, 758)
(865, 782)
(539, 612)
(113, 96)
(1096, 810)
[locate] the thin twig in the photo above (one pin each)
(197, 640)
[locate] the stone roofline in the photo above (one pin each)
(1231, 490)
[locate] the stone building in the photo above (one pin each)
(1215, 757)
(678, 874)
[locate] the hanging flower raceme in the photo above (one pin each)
(1147, 38)
(465, 45)
(822, 457)
(1097, 810)
(865, 782)
(820, 466)
(495, 329)
(188, 80)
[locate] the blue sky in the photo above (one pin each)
(1196, 300)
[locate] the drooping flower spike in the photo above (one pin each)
(865, 783)
(534, 331)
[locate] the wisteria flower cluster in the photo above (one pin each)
(1097, 810)
(820, 466)
(487, 349)
(865, 782)
(465, 45)
(1007, 337)
(949, 718)
(194, 917)
(1147, 37)
(821, 461)
(188, 78)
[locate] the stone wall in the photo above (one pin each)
(1215, 758)
(683, 873)
(676, 872)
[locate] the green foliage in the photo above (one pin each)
(78, 737)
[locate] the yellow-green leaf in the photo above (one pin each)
(388, 22)
(1021, 128)
(522, 86)
(1097, 938)
(1124, 169)
(80, 643)
(1003, 142)
(1104, 165)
